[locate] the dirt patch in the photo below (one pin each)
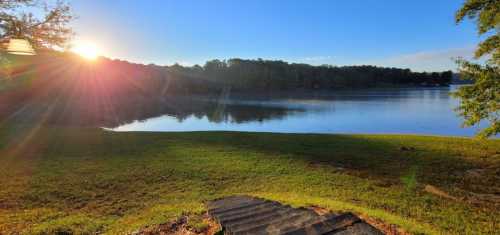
(438, 192)
(481, 198)
(320, 210)
(181, 226)
(474, 174)
(468, 196)
(407, 149)
(389, 229)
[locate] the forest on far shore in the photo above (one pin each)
(276, 75)
(246, 74)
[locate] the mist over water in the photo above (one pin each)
(427, 111)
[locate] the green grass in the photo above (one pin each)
(87, 180)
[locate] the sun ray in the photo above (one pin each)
(86, 50)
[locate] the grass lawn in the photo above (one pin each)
(90, 180)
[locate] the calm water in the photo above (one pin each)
(410, 111)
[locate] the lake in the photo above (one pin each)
(427, 111)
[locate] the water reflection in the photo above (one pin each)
(409, 111)
(220, 111)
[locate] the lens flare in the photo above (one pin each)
(86, 50)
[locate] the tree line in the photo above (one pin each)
(276, 75)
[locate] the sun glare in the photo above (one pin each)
(86, 50)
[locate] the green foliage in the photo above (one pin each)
(50, 30)
(410, 179)
(485, 11)
(490, 46)
(481, 100)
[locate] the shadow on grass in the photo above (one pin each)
(387, 158)
(435, 160)
(105, 173)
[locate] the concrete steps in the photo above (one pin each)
(245, 215)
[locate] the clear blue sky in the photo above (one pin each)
(420, 35)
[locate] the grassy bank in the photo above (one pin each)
(88, 180)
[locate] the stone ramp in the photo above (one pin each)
(245, 215)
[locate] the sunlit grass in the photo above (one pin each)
(87, 180)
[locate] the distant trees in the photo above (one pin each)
(481, 100)
(48, 31)
(270, 75)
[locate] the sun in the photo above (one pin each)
(86, 50)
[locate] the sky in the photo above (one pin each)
(420, 35)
